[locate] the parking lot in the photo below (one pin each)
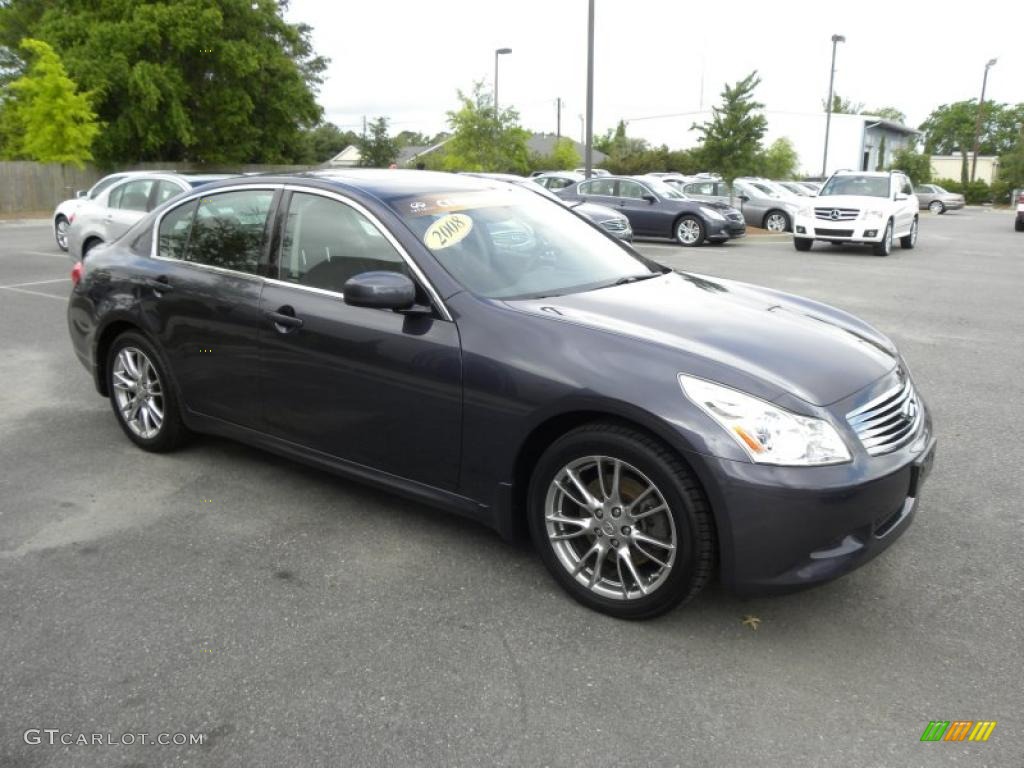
(294, 618)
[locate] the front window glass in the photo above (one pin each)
(862, 186)
(512, 244)
(631, 190)
(326, 242)
(132, 196)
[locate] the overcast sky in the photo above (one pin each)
(405, 60)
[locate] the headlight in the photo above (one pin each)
(769, 434)
(806, 212)
(711, 213)
(875, 214)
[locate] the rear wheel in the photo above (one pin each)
(776, 221)
(690, 231)
(60, 232)
(621, 523)
(142, 395)
(802, 243)
(908, 241)
(884, 246)
(936, 207)
(1019, 225)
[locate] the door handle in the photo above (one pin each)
(284, 319)
(159, 284)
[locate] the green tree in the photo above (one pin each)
(917, 166)
(780, 160)
(377, 149)
(321, 143)
(217, 81)
(45, 118)
(563, 157)
(484, 139)
(841, 106)
(412, 139)
(731, 142)
(889, 113)
(949, 130)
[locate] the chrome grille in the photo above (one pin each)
(836, 214)
(615, 225)
(890, 420)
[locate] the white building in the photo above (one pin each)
(855, 141)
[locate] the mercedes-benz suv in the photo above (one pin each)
(865, 207)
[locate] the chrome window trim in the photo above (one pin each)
(330, 194)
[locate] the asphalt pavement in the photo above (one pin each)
(291, 618)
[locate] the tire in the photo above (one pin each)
(689, 231)
(907, 242)
(159, 410)
(936, 207)
(776, 221)
(1018, 225)
(652, 585)
(884, 246)
(803, 243)
(60, 232)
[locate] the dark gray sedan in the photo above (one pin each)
(937, 200)
(481, 349)
(656, 209)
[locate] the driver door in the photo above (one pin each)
(372, 386)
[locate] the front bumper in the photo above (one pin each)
(785, 528)
(718, 231)
(857, 231)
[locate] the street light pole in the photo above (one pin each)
(589, 152)
(977, 122)
(497, 53)
(836, 39)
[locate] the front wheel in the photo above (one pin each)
(884, 246)
(908, 241)
(690, 231)
(1018, 225)
(936, 207)
(802, 243)
(621, 523)
(776, 221)
(60, 232)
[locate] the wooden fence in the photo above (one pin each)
(29, 187)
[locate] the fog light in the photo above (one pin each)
(870, 233)
(800, 230)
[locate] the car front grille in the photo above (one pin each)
(836, 214)
(834, 232)
(890, 420)
(615, 225)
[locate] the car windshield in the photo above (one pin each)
(861, 186)
(664, 190)
(102, 184)
(936, 189)
(512, 244)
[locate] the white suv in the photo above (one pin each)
(860, 207)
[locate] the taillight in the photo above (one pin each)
(1020, 199)
(76, 272)
(71, 219)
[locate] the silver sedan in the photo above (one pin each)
(937, 200)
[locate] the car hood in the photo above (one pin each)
(792, 345)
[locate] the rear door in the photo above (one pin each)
(204, 295)
(376, 387)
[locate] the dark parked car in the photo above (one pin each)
(487, 351)
(656, 209)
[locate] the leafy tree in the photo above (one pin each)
(563, 157)
(45, 118)
(412, 139)
(731, 141)
(841, 106)
(484, 139)
(949, 129)
(218, 81)
(377, 149)
(917, 166)
(889, 113)
(321, 143)
(780, 160)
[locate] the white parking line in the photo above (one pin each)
(37, 282)
(63, 256)
(34, 293)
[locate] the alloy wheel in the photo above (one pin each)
(62, 233)
(936, 207)
(775, 223)
(138, 392)
(913, 233)
(689, 231)
(610, 527)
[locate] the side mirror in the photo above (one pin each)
(900, 196)
(743, 198)
(380, 290)
(81, 193)
(650, 198)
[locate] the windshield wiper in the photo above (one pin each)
(636, 278)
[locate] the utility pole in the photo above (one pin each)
(364, 126)
(497, 53)
(558, 118)
(836, 39)
(977, 122)
(589, 153)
